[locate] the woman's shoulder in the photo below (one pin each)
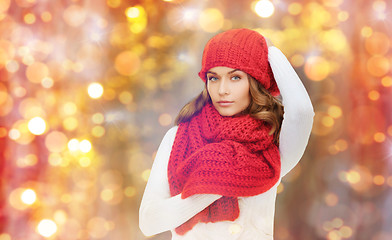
(171, 132)
(170, 135)
(166, 144)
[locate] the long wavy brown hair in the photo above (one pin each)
(262, 106)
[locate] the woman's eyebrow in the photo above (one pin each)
(232, 71)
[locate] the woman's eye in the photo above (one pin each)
(235, 78)
(212, 78)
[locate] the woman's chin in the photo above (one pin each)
(226, 112)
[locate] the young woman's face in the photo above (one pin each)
(228, 89)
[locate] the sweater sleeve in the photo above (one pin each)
(298, 111)
(159, 211)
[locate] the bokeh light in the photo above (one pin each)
(47, 227)
(295, 8)
(30, 108)
(70, 123)
(37, 71)
(27, 161)
(56, 141)
(132, 12)
(165, 119)
(29, 18)
(98, 227)
(98, 131)
(378, 66)
(28, 196)
(265, 8)
(335, 111)
(137, 18)
(4, 5)
(21, 198)
(73, 144)
(95, 90)
(377, 43)
(127, 63)
(85, 146)
(46, 16)
(74, 15)
(37, 126)
(317, 68)
(211, 20)
(85, 161)
(89, 88)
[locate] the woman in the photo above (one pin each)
(215, 175)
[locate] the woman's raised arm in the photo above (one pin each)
(298, 111)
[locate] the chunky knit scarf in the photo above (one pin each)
(230, 156)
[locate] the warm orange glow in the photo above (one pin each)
(297, 60)
(46, 16)
(89, 88)
(37, 71)
(343, 16)
(386, 81)
(74, 15)
(378, 180)
(113, 3)
(3, 132)
(29, 18)
(146, 174)
(211, 20)
(317, 68)
(378, 66)
(353, 177)
(295, 8)
(379, 137)
(127, 63)
(331, 199)
(374, 95)
(389, 130)
(346, 232)
(378, 43)
(366, 31)
(4, 5)
(341, 144)
(56, 141)
(125, 97)
(165, 119)
(335, 111)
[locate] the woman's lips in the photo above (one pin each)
(225, 103)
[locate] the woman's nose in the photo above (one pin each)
(224, 87)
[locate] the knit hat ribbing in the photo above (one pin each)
(242, 49)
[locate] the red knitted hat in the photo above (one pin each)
(242, 49)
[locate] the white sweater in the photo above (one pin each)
(160, 212)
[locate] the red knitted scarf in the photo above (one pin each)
(230, 156)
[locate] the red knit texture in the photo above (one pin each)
(230, 156)
(242, 49)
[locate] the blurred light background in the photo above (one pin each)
(89, 87)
